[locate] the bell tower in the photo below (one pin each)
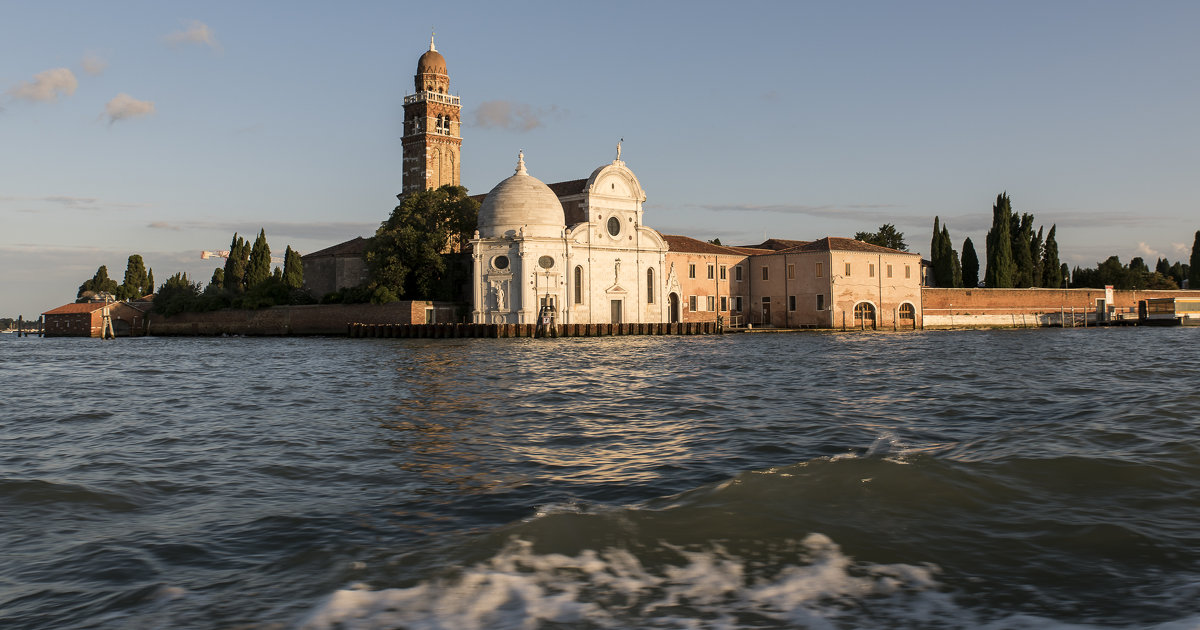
(432, 132)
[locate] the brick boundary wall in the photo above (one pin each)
(310, 319)
(965, 308)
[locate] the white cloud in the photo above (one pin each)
(46, 86)
(196, 32)
(94, 64)
(1181, 248)
(1148, 252)
(163, 225)
(513, 116)
(125, 106)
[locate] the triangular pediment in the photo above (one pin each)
(616, 288)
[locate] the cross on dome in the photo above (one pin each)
(431, 34)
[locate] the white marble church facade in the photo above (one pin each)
(529, 265)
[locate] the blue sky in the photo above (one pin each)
(161, 128)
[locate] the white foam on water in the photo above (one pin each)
(820, 588)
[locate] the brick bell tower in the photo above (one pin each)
(432, 131)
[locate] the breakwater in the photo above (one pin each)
(505, 331)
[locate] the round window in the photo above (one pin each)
(614, 226)
(546, 262)
(500, 262)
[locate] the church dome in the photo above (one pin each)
(432, 62)
(521, 202)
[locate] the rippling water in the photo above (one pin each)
(1002, 479)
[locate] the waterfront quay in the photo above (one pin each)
(505, 331)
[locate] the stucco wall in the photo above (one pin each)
(703, 287)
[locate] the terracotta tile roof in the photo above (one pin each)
(776, 244)
(690, 245)
(831, 243)
(78, 307)
(353, 247)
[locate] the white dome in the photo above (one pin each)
(521, 201)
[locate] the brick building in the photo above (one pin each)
(86, 319)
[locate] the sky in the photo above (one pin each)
(161, 128)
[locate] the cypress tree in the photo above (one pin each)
(1036, 244)
(970, 264)
(935, 249)
(293, 269)
(953, 270)
(1052, 270)
(150, 279)
(235, 265)
(1022, 234)
(218, 278)
(1194, 264)
(259, 268)
(1065, 271)
(999, 271)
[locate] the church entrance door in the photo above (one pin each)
(616, 311)
(674, 302)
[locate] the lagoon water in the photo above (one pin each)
(998, 479)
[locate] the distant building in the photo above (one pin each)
(578, 251)
(335, 268)
(86, 319)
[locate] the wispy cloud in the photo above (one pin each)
(194, 32)
(69, 202)
(333, 231)
(864, 212)
(125, 106)
(46, 86)
(513, 116)
(94, 64)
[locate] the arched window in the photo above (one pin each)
(650, 285)
(907, 311)
(578, 285)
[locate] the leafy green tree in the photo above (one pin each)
(1194, 264)
(886, 236)
(235, 265)
(1052, 270)
(970, 264)
(412, 251)
(1163, 266)
(1066, 275)
(293, 269)
(100, 283)
(136, 281)
(218, 278)
(176, 295)
(715, 241)
(1179, 272)
(1000, 268)
(259, 268)
(150, 279)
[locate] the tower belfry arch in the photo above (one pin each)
(432, 137)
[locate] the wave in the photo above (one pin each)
(842, 542)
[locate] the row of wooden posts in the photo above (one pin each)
(25, 328)
(502, 331)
